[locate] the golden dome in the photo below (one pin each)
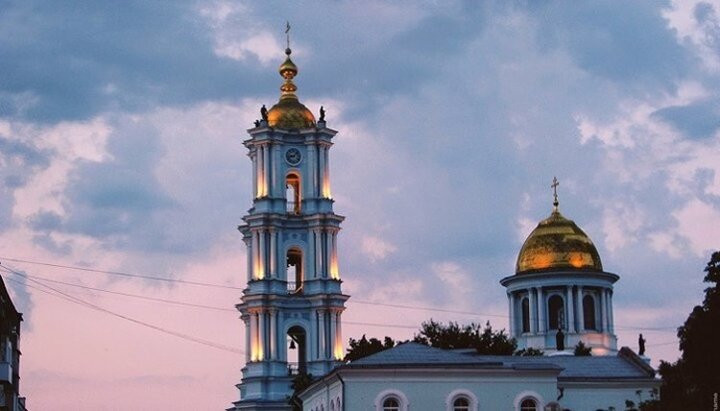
(289, 113)
(557, 244)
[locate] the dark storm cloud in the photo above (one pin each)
(697, 120)
(20, 161)
(625, 42)
(116, 199)
(67, 61)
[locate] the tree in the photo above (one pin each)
(484, 340)
(299, 383)
(581, 350)
(693, 380)
(364, 347)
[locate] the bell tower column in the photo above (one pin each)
(293, 301)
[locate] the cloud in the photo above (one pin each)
(696, 219)
(698, 120)
(376, 248)
(106, 56)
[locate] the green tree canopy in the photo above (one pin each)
(691, 382)
(364, 347)
(484, 339)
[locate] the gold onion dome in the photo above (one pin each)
(557, 244)
(289, 113)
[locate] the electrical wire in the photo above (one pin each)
(95, 307)
(123, 274)
(352, 301)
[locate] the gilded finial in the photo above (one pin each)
(289, 113)
(554, 186)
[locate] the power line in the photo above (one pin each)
(142, 297)
(95, 307)
(123, 274)
(352, 301)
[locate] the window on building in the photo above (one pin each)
(461, 404)
(294, 270)
(391, 404)
(556, 313)
(525, 315)
(589, 312)
(292, 193)
(528, 404)
(296, 350)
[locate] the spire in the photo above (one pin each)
(288, 70)
(289, 113)
(554, 186)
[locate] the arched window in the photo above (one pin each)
(528, 404)
(294, 270)
(292, 193)
(391, 404)
(296, 346)
(332, 405)
(556, 313)
(461, 404)
(589, 312)
(525, 315)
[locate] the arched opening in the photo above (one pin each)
(294, 271)
(525, 315)
(296, 351)
(556, 313)
(461, 404)
(391, 404)
(589, 312)
(292, 193)
(528, 404)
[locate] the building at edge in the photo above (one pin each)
(10, 319)
(292, 305)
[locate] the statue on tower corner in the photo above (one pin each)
(322, 115)
(263, 113)
(560, 340)
(641, 345)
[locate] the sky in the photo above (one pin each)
(121, 129)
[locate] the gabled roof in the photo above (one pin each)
(625, 365)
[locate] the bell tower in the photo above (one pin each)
(292, 305)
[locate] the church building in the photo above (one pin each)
(292, 306)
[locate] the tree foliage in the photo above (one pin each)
(582, 350)
(484, 339)
(299, 383)
(691, 381)
(364, 347)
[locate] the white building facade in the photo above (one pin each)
(416, 377)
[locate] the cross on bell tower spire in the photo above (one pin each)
(287, 34)
(554, 186)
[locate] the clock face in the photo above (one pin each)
(293, 156)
